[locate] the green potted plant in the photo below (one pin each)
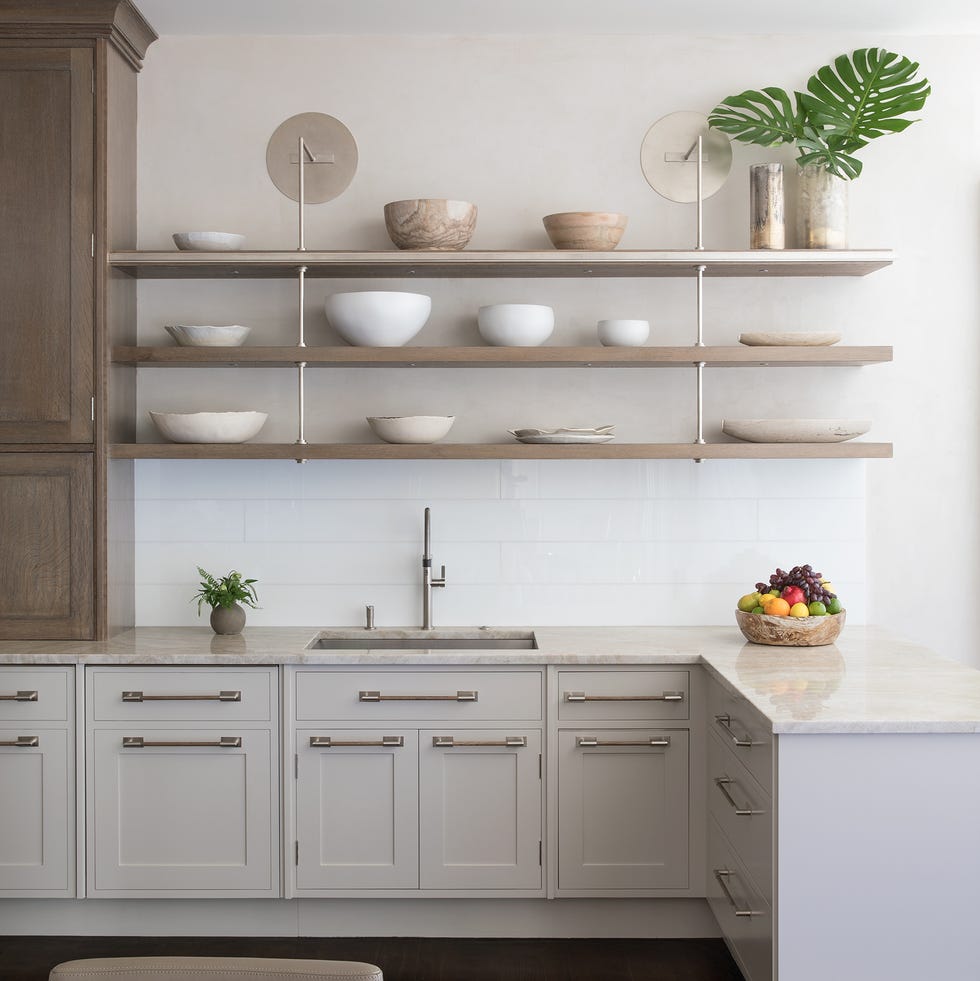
(224, 596)
(856, 99)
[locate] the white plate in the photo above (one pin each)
(795, 430)
(787, 338)
(563, 437)
(563, 431)
(193, 336)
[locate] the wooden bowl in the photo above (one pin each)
(790, 631)
(432, 224)
(589, 231)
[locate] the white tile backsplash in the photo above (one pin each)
(533, 542)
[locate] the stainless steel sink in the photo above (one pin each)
(418, 640)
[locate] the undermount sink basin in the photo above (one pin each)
(418, 640)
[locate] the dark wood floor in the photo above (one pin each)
(31, 958)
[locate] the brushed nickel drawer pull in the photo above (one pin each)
(20, 696)
(725, 721)
(667, 696)
(722, 876)
(224, 742)
(376, 696)
(328, 742)
(222, 696)
(723, 783)
(587, 741)
(451, 742)
(22, 742)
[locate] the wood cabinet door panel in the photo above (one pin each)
(46, 262)
(46, 546)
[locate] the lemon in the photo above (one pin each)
(799, 610)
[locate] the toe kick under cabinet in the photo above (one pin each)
(183, 782)
(416, 781)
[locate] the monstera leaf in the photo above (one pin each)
(860, 97)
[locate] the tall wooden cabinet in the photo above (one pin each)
(67, 197)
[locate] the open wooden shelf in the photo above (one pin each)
(501, 451)
(552, 263)
(501, 357)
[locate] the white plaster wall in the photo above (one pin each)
(524, 127)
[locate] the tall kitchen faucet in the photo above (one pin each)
(428, 582)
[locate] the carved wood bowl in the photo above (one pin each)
(432, 224)
(589, 231)
(790, 631)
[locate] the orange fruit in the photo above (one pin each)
(777, 608)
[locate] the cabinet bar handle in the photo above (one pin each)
(667, 696)
(222, 696)
(225, 742)
(22, 742)
(725, 721)
(20, 696)
(595, 741)
(722, 783)
(722, 876)
(328, 742)
(451, 742)
(376, 696)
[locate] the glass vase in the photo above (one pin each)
(821, 209)
(767, 226)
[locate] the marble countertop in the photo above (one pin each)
(869, 681)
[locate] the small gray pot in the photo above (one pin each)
(227, 621)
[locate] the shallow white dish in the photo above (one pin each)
(795, 430)
(623, 333)
(193, 336)
(788, 338)
(411, 429)
(515, 324)
(209, 427)
(566, 437)
(564, 431)
(378, 318)
(208, 241)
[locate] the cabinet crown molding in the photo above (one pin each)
(120, 21)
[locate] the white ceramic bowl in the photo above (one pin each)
(623, 333)
(208, 241)
(209, 427)
(515, 324)
(411, 429)
(190, 336)
(795, 430)
(378, 318)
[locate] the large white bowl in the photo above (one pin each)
(411, 429)
(209, 427)
(208, 241)
(193, 336)
(515, 324)
(378, 318)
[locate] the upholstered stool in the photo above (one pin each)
(212, 969)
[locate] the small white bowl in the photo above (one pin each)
(411, 429)
(515, 324)
(208, 241)
(378, 318)
(209, 427)
(623, 333)
(189, 336)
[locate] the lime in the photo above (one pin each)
(799, 610)
(758, 609)
(834, 606)
(748, 601)
(817, 609)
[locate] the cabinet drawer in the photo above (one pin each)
(743, 730)
(35, 694)
(743, 916)
(181, 694)
(623, 695)
(748, 821)
(458, 696)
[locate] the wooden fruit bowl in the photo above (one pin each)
(790, 631)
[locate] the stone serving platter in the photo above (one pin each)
(790, 338)
(795, 430)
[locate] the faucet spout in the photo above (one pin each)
(429, 582)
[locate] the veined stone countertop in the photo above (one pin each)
(869, 681)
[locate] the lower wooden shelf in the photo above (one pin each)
(501, 451)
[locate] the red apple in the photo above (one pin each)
(793, 595)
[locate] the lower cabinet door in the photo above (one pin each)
(37, 813)
(183, 813)
(623, 809)
(480, 809)
(357, 809)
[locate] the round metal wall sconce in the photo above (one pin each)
(669, 157)
(329, 157)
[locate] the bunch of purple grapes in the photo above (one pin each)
(802, 576)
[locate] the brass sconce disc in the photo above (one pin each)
(332, 148)
(668, 157)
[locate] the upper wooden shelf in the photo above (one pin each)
(502, 357)
(435, 265)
